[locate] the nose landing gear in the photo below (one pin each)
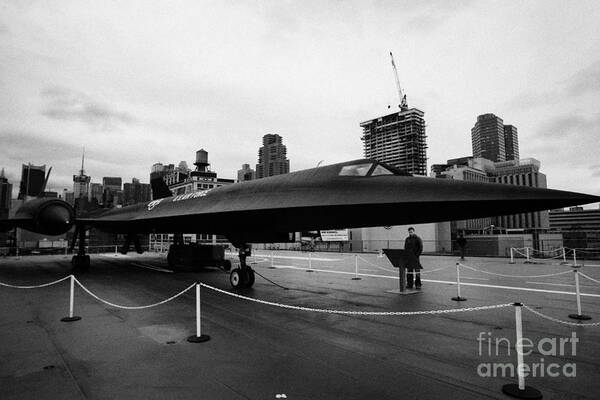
(80, 261)
(242, 277)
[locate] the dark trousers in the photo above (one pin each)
(409, 277)
(462, 253)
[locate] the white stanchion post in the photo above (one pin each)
(272, 258)
(458, 296)
(356, 278)
(519, 345)
(198, 327)
(574, 257)
(564, 255)
(71, 317)
(520, 390)
(527, 255)
(309, 263)
(198, 337)
(512, 256)
(116, 249)
(579, 315)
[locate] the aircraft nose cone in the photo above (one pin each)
(55, 219)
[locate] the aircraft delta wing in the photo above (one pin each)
(353, 194)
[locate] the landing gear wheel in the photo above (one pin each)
(174, 259)
(226, 265)
(250, 277)
(236, 278)
(80, 263)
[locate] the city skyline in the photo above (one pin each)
(309, 72)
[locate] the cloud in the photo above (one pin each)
(584, 81)
(572, 126)
(40, 149)
(595, 170)
(19, 147)
(427, 17)
(70, 105)
(566, 147)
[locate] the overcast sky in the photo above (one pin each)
(144, 82)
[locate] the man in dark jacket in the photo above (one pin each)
(414, 245)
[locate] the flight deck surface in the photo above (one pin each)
(263, 351)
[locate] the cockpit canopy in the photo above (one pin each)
(369, 169)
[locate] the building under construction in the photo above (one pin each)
(397, 139)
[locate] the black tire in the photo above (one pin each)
(226, 265)
(80, 263)
(174, 260)
(250, 277)
(237, 279)
(171, 260)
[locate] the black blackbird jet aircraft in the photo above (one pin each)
(352, 194)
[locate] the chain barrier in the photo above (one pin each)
(377, 266)
(560, 321)
(35, 286)
(547, 251)
(530, 251)
(343, 312)
(521, 253)
(514, 276)
(547, 258)
(132, 307)
(588, 277)
(395, 271)
(430, 270)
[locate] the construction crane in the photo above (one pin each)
(403, 102)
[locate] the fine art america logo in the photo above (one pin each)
(534, 352)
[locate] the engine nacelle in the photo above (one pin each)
(46, 216)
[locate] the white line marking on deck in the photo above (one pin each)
(551, 284)
(447, 282)
(152, 267)
(287, 257)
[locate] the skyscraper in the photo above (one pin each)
(272, 157)
(397, 139)
(525, 172)
(112, 183)
(32, 180)
(136, 192)
(5, 200)
(182, 180)
(111, 191)
(96, 191)
(487, 138)
(511, 142)
(81, 185)
(5, 195)
(246, 173)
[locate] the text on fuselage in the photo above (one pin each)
(180, 197)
